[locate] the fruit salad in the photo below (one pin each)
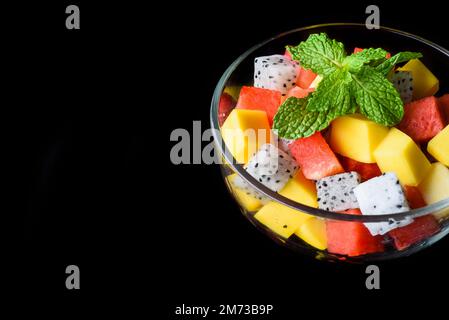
(361, 132)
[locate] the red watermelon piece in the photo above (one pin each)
(366, 170)
(420, 229)
(351, 238)
(315, 157)
(297, 92)
(388, 55)
(287, 55)
(305, 78)
(414, 197)
(260, 99)
(422, 119)
(444, 106)
(225, 106)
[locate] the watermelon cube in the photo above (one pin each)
(420, 229)
(305, 78)
(422, 119)
(315, 157)
(366, 170)
(260, 99)
(444, 106)
(351, 238)
(225, 106)
(414, 197)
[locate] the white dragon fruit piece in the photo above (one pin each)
(271, 167)
(275, 72)
(336, 193)
(403, 82)
(382, 195)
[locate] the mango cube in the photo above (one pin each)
(282, 219)
(301, 190)
(424, 82)
(438, 147)
(313, 231)
(356, 137)
(435, 186)
(244, 131)
(244, 198)
(398, 153)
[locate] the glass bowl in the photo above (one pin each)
(240, 72)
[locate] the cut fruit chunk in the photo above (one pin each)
(313, 231)
(253, 98)
(301, 190)
(398, 153)
(435, 187)
(414, 197)
(356, 137)
(305, 78)
(225, 106)
(366, 170)
(272, 167)
(425, 83)
(244, 132)
(420, 229)
(281, 219)
(422, 119)
(351, 238)
(315, 157)
(444, 105)
(336, 193)
(438, 147)
(382, 195)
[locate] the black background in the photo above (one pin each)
(88, 118)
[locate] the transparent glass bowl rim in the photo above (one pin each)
(238, 168)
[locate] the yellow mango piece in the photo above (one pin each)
(247, 201)
(301, 190)
(244, 132)
(398, 153)
(281, 219)
(435, 186)
(424, 82)
(356, 137)
(313, 231)
(438, 147)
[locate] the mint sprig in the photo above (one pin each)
(293, 120)
(377, 97)
(350, 83)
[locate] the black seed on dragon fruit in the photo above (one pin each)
(382, 195)
(273, 71)
(335, 193)
(403, 82)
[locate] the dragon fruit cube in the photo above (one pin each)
(382, 195)
(272, 167)
(336, 193)
(275, 72)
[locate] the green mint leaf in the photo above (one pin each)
(377, 98)
(333, 95)
(369, 56)
(319, 53)
(400, 57)
(293, 121)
